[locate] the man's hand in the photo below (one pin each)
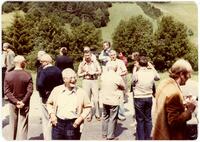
(190, 106)
(20, 104)
(77, 122)
(53, 119)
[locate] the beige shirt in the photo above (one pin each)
(92, 68)
(77, 105)
(67, 108)
(144, 79)
(109, 87)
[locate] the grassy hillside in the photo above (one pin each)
(185, 12)
(118, 12)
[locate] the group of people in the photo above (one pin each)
(66, 106)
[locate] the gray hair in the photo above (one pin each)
(7, 45)
(112, 52)
(68, 72)
(46, 57)
(40, 54)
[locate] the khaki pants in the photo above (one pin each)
(46, 126)
(18, 122)
(92, 89)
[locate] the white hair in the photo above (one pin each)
(112, 52)
(46, 57)
(40, 54)
(19, 59)
(68, 72)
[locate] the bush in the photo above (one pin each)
(133, 35)
(170, 42)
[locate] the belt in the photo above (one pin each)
(65, 120)
(90, 77)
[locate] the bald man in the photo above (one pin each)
(112, 86)
(68, 106)
(18, 88)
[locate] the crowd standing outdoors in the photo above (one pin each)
(66, 106)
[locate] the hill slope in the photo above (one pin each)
(185, 12)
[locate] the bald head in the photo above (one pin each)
(19, 61)
(69, 78)
(112, 65)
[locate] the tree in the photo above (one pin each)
(51, 35)
(133, 35)
(85, 35)
(19, 35)
(76, 21)
(171, 42)
(100, 19)
(66, 11)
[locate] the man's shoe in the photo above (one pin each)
(98, 118)
(122, 118)
(115, 138)
(104, 136)
(89, 119)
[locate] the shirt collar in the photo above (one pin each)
(17, 68)
(49, 65)
(69, 92)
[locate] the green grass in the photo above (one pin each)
(185, 12)
(118, 12)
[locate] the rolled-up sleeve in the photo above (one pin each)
(51, 102)
(86, 106)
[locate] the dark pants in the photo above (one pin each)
(143, 108)
(64, 130)
(3, 76)
(109, 120)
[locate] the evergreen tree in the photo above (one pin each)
(76, 21)
(85, 35)
(100, 20)
(171, 42)
(19, 35)
(50, 35)
(133, 35)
